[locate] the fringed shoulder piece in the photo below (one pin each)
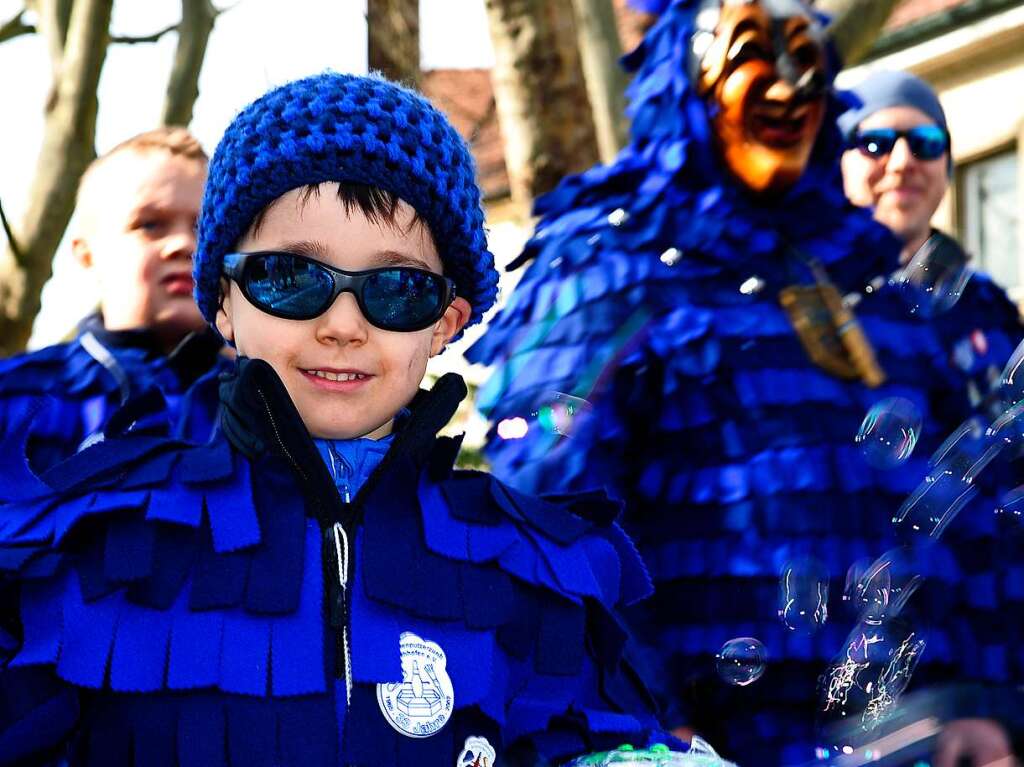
(514, 589)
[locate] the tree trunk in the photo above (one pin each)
(68, 147)
(197, 19)
(54, 17)
(542, 102)
(855, 25)
(600, 50)
(393, 32)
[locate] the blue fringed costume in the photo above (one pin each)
(87, 379)
(268, 599)
(651, 289)
(184, 604)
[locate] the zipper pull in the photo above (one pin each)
(337, 544)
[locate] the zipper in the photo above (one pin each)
(338, 570)
(341, 549)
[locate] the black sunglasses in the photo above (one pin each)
(926, 142)
(294, 287)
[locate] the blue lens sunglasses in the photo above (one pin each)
(926, 142)
(293, 287)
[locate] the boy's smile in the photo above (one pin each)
(346, 377)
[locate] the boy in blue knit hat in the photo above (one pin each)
(317, 585)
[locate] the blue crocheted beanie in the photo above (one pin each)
(346, 128)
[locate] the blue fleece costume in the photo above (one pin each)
(183, 603)
(651, 289)
(87, 379)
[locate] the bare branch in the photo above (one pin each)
(855, 25)
(12, 243)
(197, 20)
(15, 27)
(130, 40)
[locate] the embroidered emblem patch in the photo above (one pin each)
(422, 703)
(476, 752)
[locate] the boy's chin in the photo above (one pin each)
(360, 431)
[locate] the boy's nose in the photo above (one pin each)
(181, 243)
(343, 323)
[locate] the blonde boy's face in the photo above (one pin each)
(391, 364)
(137, 218)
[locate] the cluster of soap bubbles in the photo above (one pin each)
(865, 680)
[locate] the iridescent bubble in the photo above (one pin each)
(1011, 507)
(892, 681)
(864, 681)
(1011, 382)
(560, 412)
(935, 278)
(803, 595)
(887, 584)
(889, 432)
(949, 484)
(854, 575)
(741, 661)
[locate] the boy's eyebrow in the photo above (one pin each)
(317, 250)
(397, 258)
(309, 248)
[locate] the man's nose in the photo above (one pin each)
(900, 156)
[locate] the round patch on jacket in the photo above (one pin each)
(422, 703)
(476, 752)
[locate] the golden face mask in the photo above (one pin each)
(760, 66)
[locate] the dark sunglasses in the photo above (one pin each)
(926, 142)
(293, 287)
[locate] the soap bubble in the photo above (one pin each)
(935, 278)
(560, 412)
(889, 432)
(1011, 382)
(854, 575)
(741, 661)
(949, 484)
(1011, 507)
(803, 595)
(887, 584)
(866, 678)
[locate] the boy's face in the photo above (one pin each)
(391, 364)
(137, 235)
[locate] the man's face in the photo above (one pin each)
(389, 364)
(765, 120)
(137, 235)
(903, 190)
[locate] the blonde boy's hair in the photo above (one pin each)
(175, 140)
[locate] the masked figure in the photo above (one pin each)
(701, 328)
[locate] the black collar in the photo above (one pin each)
(258, 417)
(194, 355)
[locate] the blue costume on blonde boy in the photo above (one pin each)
(224, 604)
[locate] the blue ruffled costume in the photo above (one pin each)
(179, 605)
(86, 380)
(732, 451)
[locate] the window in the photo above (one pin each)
(991, 218)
